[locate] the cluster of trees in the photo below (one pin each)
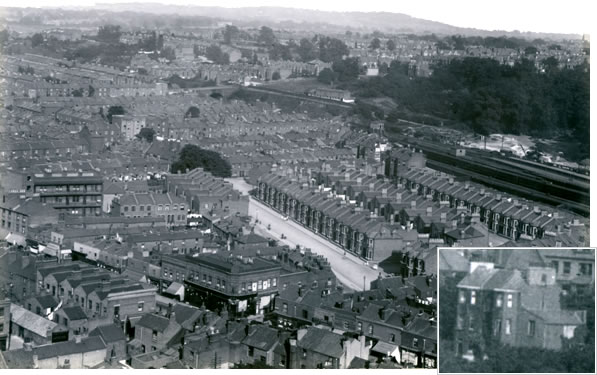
(114, 54)
(109, 34)
(153, 42)
(192, 112)
(3, 37)
(113, 110)
(192, 157)
(342, 71)
(502, 359)
(494, 98)
(197, 81)
(319, 47)
(26, 70)
(147, 134)
(230, 32)
(36, 40)
(459, 42)
(215, 54)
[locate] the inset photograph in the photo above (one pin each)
(521, 310)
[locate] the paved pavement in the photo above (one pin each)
(349, 269)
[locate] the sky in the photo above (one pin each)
(570, 16)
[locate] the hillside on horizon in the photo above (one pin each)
(366, 21)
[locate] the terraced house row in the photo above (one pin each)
(510, 217)
(355, 230)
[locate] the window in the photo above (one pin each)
(508, 326)
(498, 300)
(65, 321)
(345, 325)
(473, 297)
(586, 269)
(285, 307)
(566, 268)
(90, 304)
(359, 326)
(140, 306)
(218, 282)
(204, 277)
(251, 351)
(415, 342)
(497, 327)
(243, 287)
(370, 329)
(392, 337)
(304, 353)
(274, 282)
(471, 323)
(259, 285)
(461, 297)
(2, 310)
(459, 322)
(554, 265)
(531, 328)
(1, 327)
(543, 278)
(223, 284)
(154, 335)
(510, 300)
(306, 314)
(209, 279)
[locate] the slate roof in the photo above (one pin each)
(31, 321)
(110, 333)
(477, 278)
(19, 359)
(74, 313)
(47, 301)
(451, 260)
(86, 345)
(557, 317)
(261, 337)
(322, 341)
(153, 321)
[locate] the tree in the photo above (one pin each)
(375, 43)
(332, 49)
(266, 36)
(530, 50)
(279, 52)
(326, 76)
(391, 45)
(216, 95)
(36, 40)
(3, 37)
(276, 76)
(109, 33)
(192, 157)
(168, 53)
(147, 134)
(306, 50)
(215, 54)
(347, 69)
(114, 110)
(230, 32)
(192, 112)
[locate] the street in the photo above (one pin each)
(348, 269)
